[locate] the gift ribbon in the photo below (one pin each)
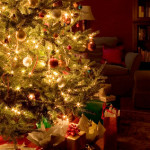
(104, 108)
(73, 130)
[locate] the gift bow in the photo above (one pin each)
(72, 130)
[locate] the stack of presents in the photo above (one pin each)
(98, 121)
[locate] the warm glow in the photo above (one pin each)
(31, 96)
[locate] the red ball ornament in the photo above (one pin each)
(77, 25)
(42, 14)
(53, 62)
(69, 47)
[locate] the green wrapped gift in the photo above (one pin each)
(93, 110)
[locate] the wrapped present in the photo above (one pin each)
(53, 137)
(76, 142)
(110, 117)
(91, 129)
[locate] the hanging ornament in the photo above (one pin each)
(33, 3)
(77, 25)
(56, 13)
(27, 61)
(42, 14)
(20, 35)
(6, 41)
(69, 47)
(57, 4)
(75, 5)
(91, 46)
(53, 62)
(55, 35)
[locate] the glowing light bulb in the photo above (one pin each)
(16, 52)
(72, 14)
(33, 41)
(15, 58)
(66, 15)
(17, 88)
(8, 53)
(55, 73)
(57, 51)
(6, 107)
(3, 8)
(61, 86)
(62, 93)
(66, 99)
(48, 48)
(49, 80)
(42, 63)
(30, 85)
(74, 37)
(30, 73)
(64, 117)
(85, 67)
(18, 112)
(36, 46)
(48, 16)
(27, 41)
(12, 72)
(31, 96)
(23, 71)
(69, 90)
(8, 36)
(78, 104)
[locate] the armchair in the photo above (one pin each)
(122, 78)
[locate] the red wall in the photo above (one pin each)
(113, 18)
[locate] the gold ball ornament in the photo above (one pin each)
(33, 3)
(56, 13)
(27, 61)
(20, 35)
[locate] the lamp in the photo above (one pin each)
(86, 14)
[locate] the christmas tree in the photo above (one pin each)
(43, 73)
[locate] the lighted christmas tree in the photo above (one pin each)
(42, 70)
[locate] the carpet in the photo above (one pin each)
(134, 130)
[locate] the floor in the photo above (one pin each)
(133, 129)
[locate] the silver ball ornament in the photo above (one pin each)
(27, 61)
